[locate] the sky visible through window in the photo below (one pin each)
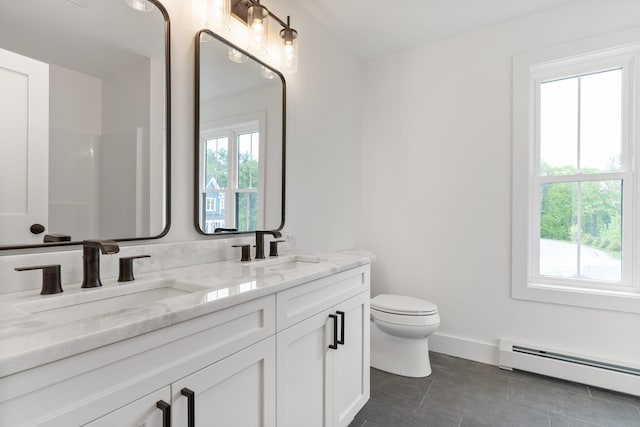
(581, 119)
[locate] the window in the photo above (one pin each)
(231, 176)
(210, 204)
(574, 186)
(579, 179)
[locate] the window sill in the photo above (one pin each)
(625, 301)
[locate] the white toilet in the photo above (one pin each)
(400, 329)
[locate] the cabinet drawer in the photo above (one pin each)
(301, 302)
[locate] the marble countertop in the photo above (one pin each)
(38, 329)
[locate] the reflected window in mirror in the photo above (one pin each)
(240, 151)
(231, 177)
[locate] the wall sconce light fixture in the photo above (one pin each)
(256, 17)
(258, 22)
(290, 48)
(218, 14)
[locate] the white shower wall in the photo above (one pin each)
(75, 127)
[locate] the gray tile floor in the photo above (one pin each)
(463, 393)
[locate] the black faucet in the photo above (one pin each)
(91, 260)
(260, 241)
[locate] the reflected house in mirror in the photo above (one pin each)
(84, 138)
(240, 144)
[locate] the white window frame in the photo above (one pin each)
(231, 128)
(607, 52)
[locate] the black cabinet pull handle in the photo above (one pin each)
(342, 322)
(166, 412)
(335, 332)
(191, 406)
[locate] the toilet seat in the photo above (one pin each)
(404, 319)
(403, 305)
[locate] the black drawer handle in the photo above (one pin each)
(191, 406)
(341, 314)
(166, 412)
(335, 332)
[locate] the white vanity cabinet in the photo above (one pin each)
(261, 362)
(323, 357)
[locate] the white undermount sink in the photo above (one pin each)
(290, 262)
(108, 300)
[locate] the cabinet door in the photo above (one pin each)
(351, 361)
(24, 164)
(236, 391)
(140, 413)
(305, 372)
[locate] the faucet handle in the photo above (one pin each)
(125, 271)
(246, 252)
(51, 283)
(273, 247)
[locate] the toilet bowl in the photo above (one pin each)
(400, 330)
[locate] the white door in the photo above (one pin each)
(305, 372)
(24, 142)
(351, 361)
(238, 391)
(143, 412)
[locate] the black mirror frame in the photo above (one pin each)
(167, 53)
(196, 127)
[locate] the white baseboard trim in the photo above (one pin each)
(465, 348)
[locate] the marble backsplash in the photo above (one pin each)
(163, 256)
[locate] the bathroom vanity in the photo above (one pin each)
(283, 342)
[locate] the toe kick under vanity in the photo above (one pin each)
(281, 342)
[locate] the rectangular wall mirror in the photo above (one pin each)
(85, 128)
(240, 140)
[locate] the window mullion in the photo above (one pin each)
(612, 176)
(579, 195)
(579, 124)
(579, 229)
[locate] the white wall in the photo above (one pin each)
(323, 140)
(436, 196)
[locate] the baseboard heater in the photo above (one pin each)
(572, 367)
